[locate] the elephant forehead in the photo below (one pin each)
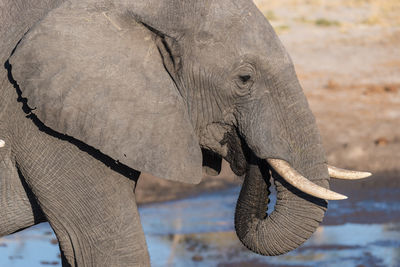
(98, 77)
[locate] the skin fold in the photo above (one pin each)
(93, 92)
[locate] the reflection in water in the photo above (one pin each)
(31, 247)
(198, 231)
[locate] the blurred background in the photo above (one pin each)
(347, 57)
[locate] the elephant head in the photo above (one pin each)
(151, 83)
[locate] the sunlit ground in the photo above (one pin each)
(343, 14)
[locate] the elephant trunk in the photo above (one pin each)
(294, 219)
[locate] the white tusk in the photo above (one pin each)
(346, 174)
(2, 143)
(294, 178)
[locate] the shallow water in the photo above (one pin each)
(198, 231)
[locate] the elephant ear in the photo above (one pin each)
(98, 76)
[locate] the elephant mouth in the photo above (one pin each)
(239, 159)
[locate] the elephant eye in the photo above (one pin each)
(244, 78)
(244, 82)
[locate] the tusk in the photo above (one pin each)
(294, 178)
(346, 174)
(2, 143)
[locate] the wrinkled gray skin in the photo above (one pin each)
(239, 91)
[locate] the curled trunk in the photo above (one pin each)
(294, 219)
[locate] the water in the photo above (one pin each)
(198, 231)
(31, 247)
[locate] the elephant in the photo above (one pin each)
(95, 92)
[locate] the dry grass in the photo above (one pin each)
(367, 12)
